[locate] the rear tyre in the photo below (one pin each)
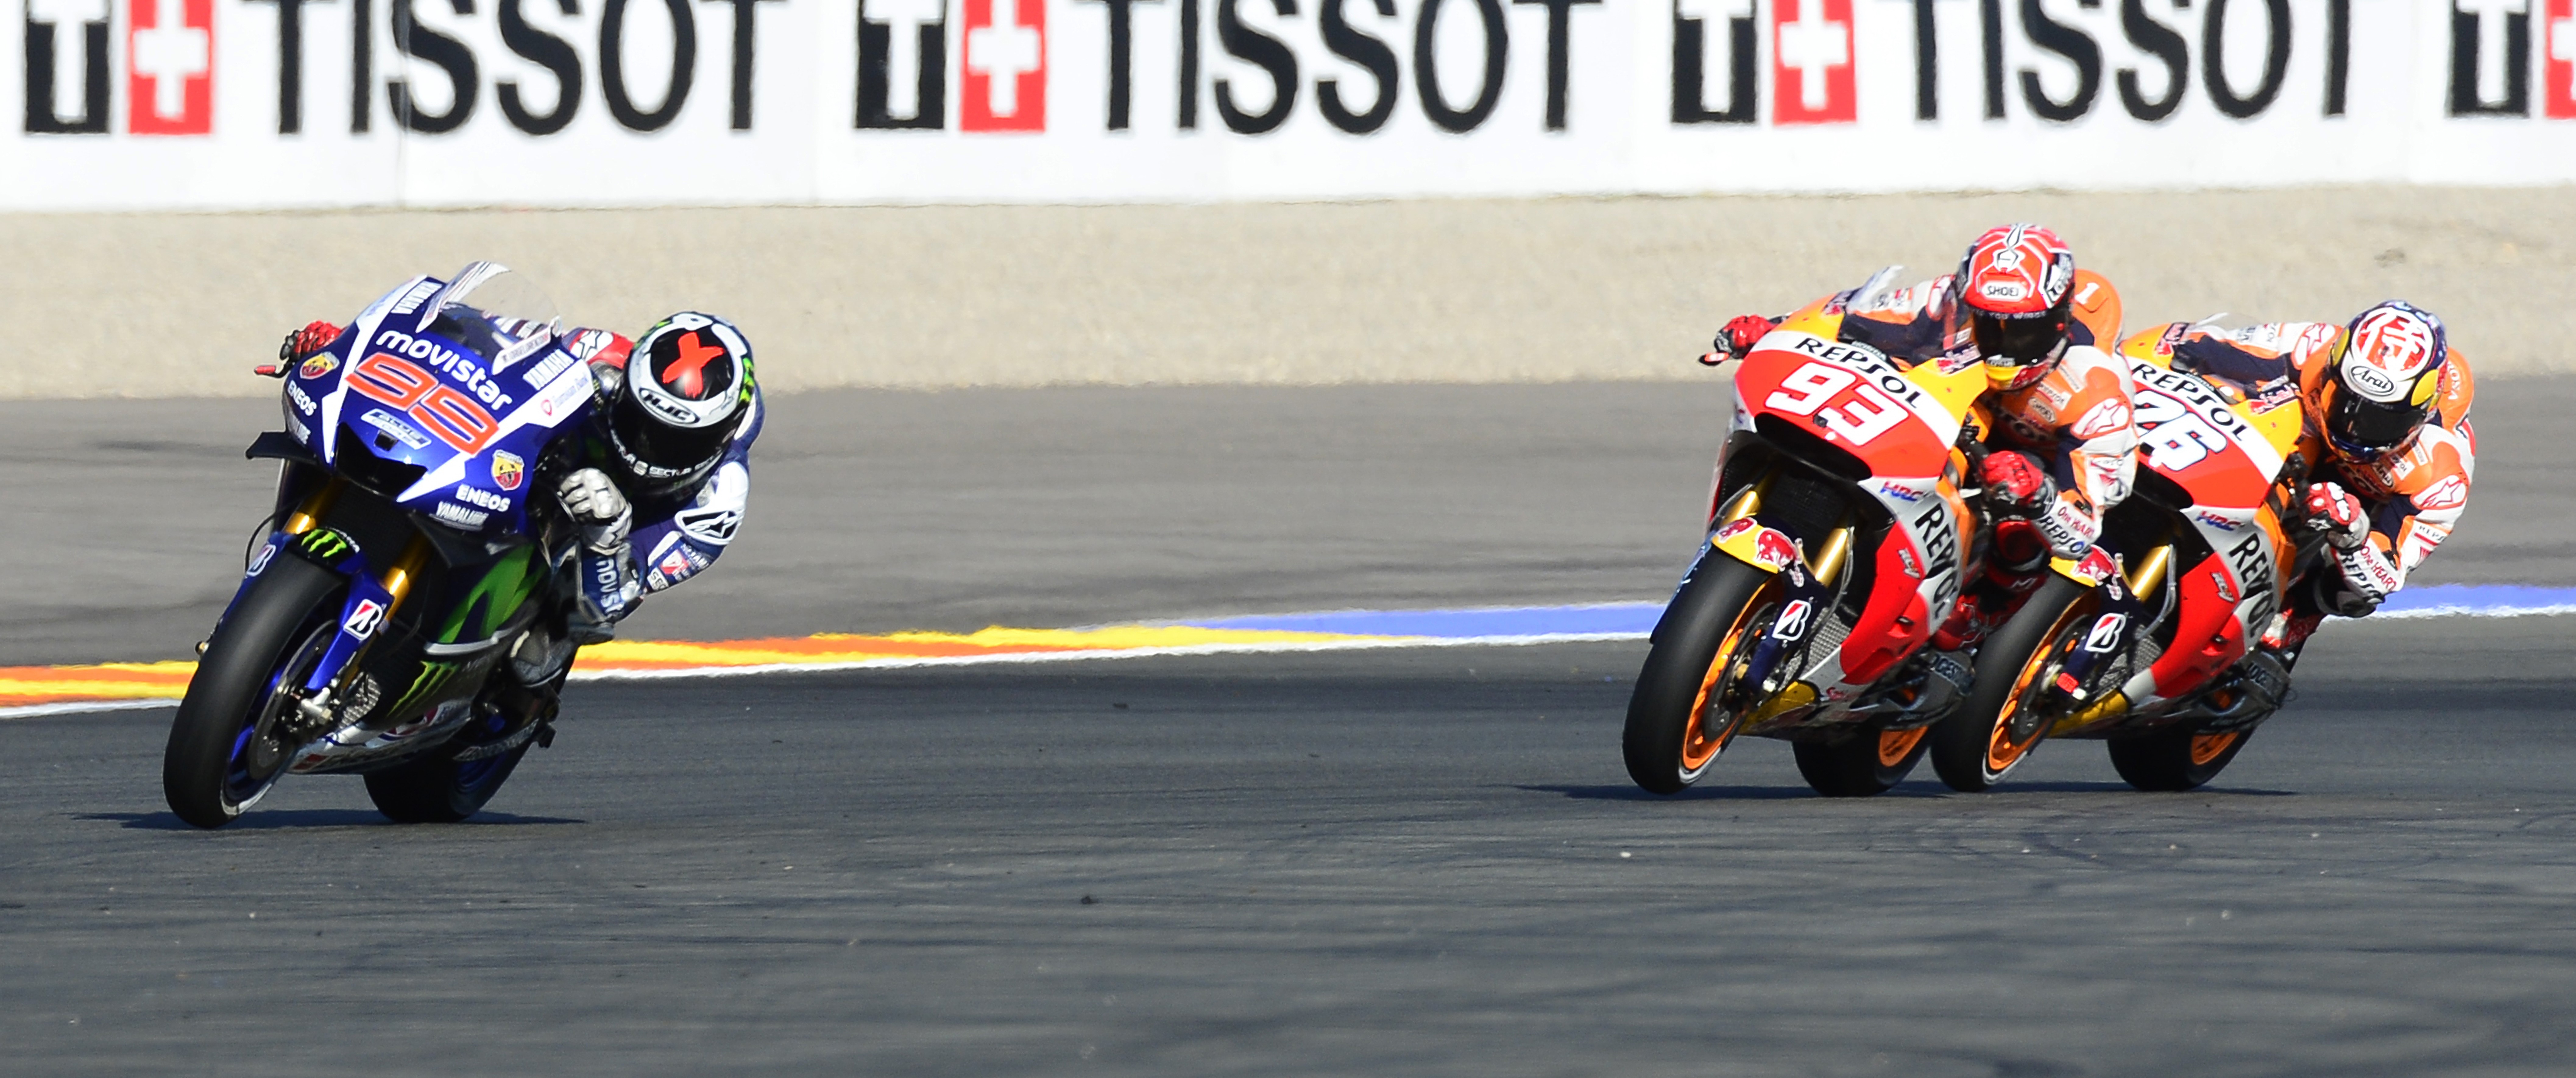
(225, 747)
(1676, 725)
(436, 789)
(1862, 764)
(2000, 723)
(2177, 758)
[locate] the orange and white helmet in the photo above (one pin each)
(2012, 285)
(2387, 373)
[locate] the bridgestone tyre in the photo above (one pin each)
(1865, 763)
(1674, 732)
(435, 789)
(2177, 758)
(221, 756)
(1991, 734)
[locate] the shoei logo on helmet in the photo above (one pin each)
(2017, 270)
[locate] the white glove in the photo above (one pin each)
(2369, 578)
(599, 508)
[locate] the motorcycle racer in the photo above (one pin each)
(663, 475)
(2059, 439)
(2387, 445)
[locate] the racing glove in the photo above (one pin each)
(314, 337)
(2015, 483)
(2335, 514)
(1741, 333)
(599, 508)
(2369, 576)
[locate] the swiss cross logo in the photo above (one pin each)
(2559, 30)
(1005, 76)
(1811, 62)
(170, 69)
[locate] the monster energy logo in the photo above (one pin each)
(483, 610)
(325, 545)
(434, 679)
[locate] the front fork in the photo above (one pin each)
(373, 596)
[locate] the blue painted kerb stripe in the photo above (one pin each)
(1636, 619)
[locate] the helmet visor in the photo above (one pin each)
(2016, 342)
(2361, 425)
(669, 452)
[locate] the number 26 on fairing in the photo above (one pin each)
(1865, 414)
(450, 415)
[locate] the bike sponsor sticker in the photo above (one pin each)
(404, 432)
(364, 620)
(260, 560)
(508, 470)
(2106, 633)
(460, 516)
(481, 498)
(318, 366)
(1793, 620)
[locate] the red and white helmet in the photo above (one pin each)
(2385, 380)
(2012, 286)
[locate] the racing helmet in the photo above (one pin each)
(687, 390)
(2013, 287)
(2382, 382)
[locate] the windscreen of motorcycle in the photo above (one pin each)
(443, 396)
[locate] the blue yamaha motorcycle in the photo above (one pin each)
(405, 618)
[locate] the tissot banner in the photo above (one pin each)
(257, 103)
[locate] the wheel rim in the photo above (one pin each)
(2002, 750)
(2208, 747)
(1699, 744)
(258, 758)
(1895, 745)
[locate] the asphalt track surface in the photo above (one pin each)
(1378, 862)
(878, 511)
(1422, 861)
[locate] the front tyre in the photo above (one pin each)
(1676, 722)
(2176, 758)
(226, 746)
(2003, 721)
(1865, 763)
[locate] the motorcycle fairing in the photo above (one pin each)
(417, 396)
(1898, 427)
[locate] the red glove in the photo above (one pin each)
(1741, 332)
(2014, 480)
(314, 337)
(2334, 513)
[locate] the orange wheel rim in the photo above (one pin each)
(2001, 750)
(1699, 744)
(2207, 747)
(1895, 745)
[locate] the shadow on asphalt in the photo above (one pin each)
(1907, 790)
(256, 820)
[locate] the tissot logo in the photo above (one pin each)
(1005, 84)
(1812, 62)
(170, 65)
(2558, 92)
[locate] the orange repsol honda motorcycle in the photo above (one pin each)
(2144, 642)
(1834, 547)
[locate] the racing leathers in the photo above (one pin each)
(2380, 517)
(640, 538)
(2058, 453)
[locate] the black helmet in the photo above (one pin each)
(687, 389)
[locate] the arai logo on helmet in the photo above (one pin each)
(2370, 381)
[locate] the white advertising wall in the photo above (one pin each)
(276, 103)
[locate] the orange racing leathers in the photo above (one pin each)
(2075, 421)
(2413, 497)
